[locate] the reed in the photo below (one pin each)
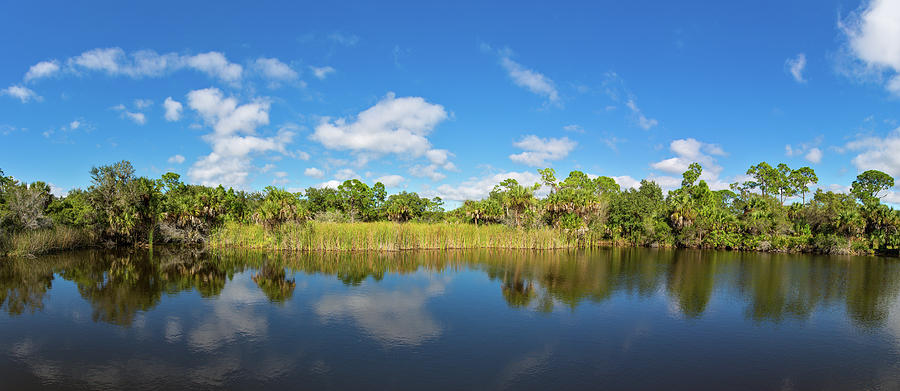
(28, 243)
(385, 236)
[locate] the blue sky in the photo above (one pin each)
(448, 99)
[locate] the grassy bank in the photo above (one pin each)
(384, 236)
(45, 241)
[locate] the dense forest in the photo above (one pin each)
(775, 211)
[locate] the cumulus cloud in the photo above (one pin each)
(626, 182)
(877, 153)
(529, 79)
(148, 63)
(216, 65)
(441, 157)
(138, 118)
(313, 172)
(173, 109)
(796, 66)
(332, 184)
(275, 70)
(346, 174)
(430, 171)
(42, 70)
(537, 151)
(689, 151)
(233, 138)
(390, 180)
(393, 125)
(479, 188)
(321, 72)
(873, 41)
(809, 150)
(814, 155)
(142, 103)
(21, 93)
(176, 159)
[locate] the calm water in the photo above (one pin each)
(608, 319)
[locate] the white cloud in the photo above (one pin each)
(439, 157)
(390, 180)
(809, 150)
(479, 188)
(173, 109)
(114, 62)
(795, 66)
(273, 69)
(267, 167)
(877, 153)
(428, 171)
(176, 159)
(233, 139)
(668, 182)
(216, 65)
(873, 39)
(332, 184)
(142, 103)
(74, 125)
(393, 125)
(626, 182)
(321, 72)
(689, 151)
(537, 151)
(526, 78)
(138, 118)
(346, 174)
(21, 93)
(147, 63)
(42, 70)
(644, 122)
(313, 172)
(58, 191)
(814, 155)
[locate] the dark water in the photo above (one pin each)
(607, 319)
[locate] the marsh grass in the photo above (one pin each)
(386, 236)
(45, 241)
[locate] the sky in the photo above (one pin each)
(448, 99)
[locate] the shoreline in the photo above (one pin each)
(319, 237)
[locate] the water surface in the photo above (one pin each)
(602, 319)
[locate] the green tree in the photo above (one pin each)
(868, 186)
(801, 178)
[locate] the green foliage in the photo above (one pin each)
(278, 207)
(122, 208)
(868, 185)
(73, 210)
(403, 207)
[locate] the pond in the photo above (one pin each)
(487, 319)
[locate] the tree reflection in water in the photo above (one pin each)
(120, 284)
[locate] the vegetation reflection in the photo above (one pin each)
(774, 288)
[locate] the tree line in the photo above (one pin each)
(120, 207)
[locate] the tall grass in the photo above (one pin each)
(385, 236)
(45, 241)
